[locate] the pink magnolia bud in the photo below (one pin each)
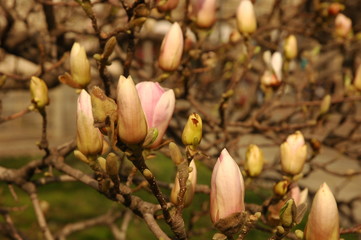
(343, 25)
(132, 125)
(323, 220)
(158, 106)
(89, 139)
(246, 17)
(293, 154)
(166, 5)
(297, 195)
(171, 49)
(227, 188)
(79, 65)
(203, 12)
(191, 186)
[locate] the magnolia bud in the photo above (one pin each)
(343, 25)
(325, 104)
(89, 138)
(290, 47)
(203, 12)
(192, 132)
(254, 160)
(132, 125)
(281, 187)
(175, 153)
(171, 49)
(190, 186)
(227, 188)
(79, 65)
(323, 220)
(112, 164)
(246, 17)
(102, 106)
(293, 154)
(39, 92)
(288, 213)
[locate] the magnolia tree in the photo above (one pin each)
(192, 79)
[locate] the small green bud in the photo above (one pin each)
(102, 106)
(109, 47)
(175, 153)
(192, 133)
(288, 213)
(151, 137)
(299, 234)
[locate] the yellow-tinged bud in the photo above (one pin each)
(290, 47)
(325, 104)
(280, 188)
(192, 132)
(102, 163)
(246, 17)
(343, 25)
(293, 154)
(288, 213)
(175, 153)
(112, 164)
(109, 47)
(190, 186)
(102, 106)
(79, 65)
(39, 92)
(254, 161)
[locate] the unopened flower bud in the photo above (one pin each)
(281, 187)
(325, 104)
(343, 25)
(79, 65)
(175, 153)
(290, 47)
(102, 163)
(132, 125)
(103, 107)
(254, 160)
(109, 47)
(171, 49)
(227, 188)
(190, 186)
(39, 92)
(293, 154)
(288, 213)
(89, 138)
(323, 220)
(246, 17)
(192, 132)
(112, 164)
(203, 12)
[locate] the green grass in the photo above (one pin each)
(72, 201)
